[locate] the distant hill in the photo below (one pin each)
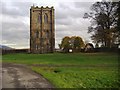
(5, 47)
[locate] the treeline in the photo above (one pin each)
(77, 44)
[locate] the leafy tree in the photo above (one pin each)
(75, 43)
(104, 19)
(72, 39)
(78, 43)
(65, 45)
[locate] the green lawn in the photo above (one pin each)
(73, 70)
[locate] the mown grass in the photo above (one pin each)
(59, 58)
(80, 78)
(73, 70)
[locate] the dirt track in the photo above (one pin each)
(20, 76)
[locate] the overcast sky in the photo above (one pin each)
(69, 21)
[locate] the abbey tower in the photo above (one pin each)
(42, 38)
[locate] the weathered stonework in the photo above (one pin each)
(42, 39)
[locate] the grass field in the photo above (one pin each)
(73, 70)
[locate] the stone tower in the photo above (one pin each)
(42, 39)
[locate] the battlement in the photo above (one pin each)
(36, 7)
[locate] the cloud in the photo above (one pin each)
(15, 23)
(16, 33)
(68, 21)
(83, 5)
(16, 9)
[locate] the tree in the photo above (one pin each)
(65, 45)
(78, 43)
(104, 19)
(118, 21)
(72, 39)
(118, 13)
(75, 43)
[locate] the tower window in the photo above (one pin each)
(39, 18)
(37, 34)
(45, 18)
(47, 34)
(36, 47)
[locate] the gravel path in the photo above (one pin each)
(20, 76)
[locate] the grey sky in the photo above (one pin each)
(68, 20)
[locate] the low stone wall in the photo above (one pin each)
(15, 51)
(106, 49)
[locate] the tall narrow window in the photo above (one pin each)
(37, 34)
(45, 18)
(47, 46)
(36, 47)
(47, 34)
(39, 19)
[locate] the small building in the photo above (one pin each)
(89, 47)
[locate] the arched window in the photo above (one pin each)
(45, 18)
